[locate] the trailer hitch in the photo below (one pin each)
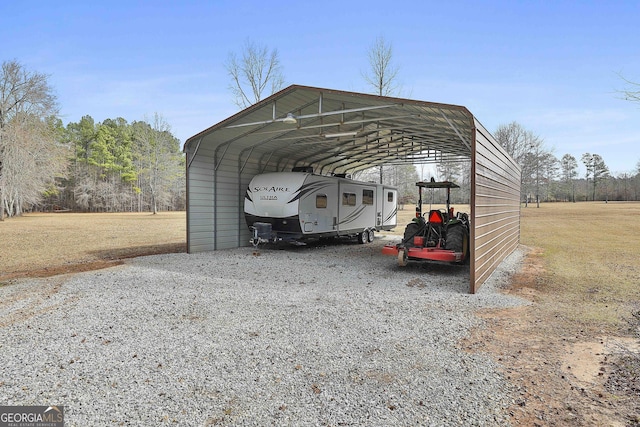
(261, 233)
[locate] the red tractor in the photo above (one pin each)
(438, 236)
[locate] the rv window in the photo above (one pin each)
(367, 197)
(390, 196)
(348, 199)
(321, 201)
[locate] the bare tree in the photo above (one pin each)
(632, 93)
(513, 138)
(251, 75)
(382, 74)
(528, 150)
(30, 156)
(539, 167)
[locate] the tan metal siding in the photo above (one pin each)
(495, 206)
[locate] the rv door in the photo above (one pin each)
(389, 198)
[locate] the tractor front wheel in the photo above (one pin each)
(402, 257)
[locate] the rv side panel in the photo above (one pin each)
(318, 209)
(357, 209)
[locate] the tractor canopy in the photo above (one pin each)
(437, 184)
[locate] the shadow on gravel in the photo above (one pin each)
(311, 244)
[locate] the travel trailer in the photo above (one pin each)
(299, 205)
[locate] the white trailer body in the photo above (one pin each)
(301, 205)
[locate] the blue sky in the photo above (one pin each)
(552, 66)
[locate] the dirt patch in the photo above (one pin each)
(105, 259)
(560, 374)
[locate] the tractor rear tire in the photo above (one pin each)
(457, 238)
(409, 232)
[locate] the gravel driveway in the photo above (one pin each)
(323, 335)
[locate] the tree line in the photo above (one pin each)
(546, 177)
(115, 166)
(85, 166)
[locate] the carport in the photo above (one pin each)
(344, 132)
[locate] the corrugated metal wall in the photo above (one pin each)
(200, 199)
(217, 177)
(495, 206)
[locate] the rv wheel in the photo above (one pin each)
(371, 235)
(362, 237)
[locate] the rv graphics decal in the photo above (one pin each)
(391, 215)
(309, 188)
(353, 216)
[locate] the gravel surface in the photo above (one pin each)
(324, 335)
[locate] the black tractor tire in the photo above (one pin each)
(457, 238)
(409, 232)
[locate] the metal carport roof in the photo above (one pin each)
(344, 132)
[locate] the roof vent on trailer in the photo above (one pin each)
(306, 169)
(342, 175)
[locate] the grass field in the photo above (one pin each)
(590, 253)
(42, 244)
